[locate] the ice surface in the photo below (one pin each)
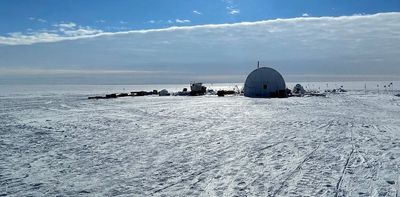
(54, 143)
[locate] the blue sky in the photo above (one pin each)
(160, 41)
(34, 15)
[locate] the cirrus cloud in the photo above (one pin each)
(197, 12)
(182, 21)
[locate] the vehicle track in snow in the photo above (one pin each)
(339, 183)
(350, 155)
(304, 160)
(398, 187)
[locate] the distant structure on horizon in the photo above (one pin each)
(265, 82)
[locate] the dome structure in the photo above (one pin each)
(265, 82)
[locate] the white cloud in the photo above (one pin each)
(197, 12)
(64, 31)
(268, 26)
(367, 44)
(82, 31)
(228, 1)
(234, 11)
(19, 38)
(152, 21)
(65, 25)
(359, 14)
(123, 22)
(305, 15)
(182, 21)
(231, 7)
(40, 20)
(73, 30)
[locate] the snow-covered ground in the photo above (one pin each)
(63, 144)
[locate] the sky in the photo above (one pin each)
(178, 41)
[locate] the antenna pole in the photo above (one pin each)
(365, 88)
(258, 64)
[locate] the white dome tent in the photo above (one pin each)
(265, 82)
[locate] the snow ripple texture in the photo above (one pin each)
(66, 145)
